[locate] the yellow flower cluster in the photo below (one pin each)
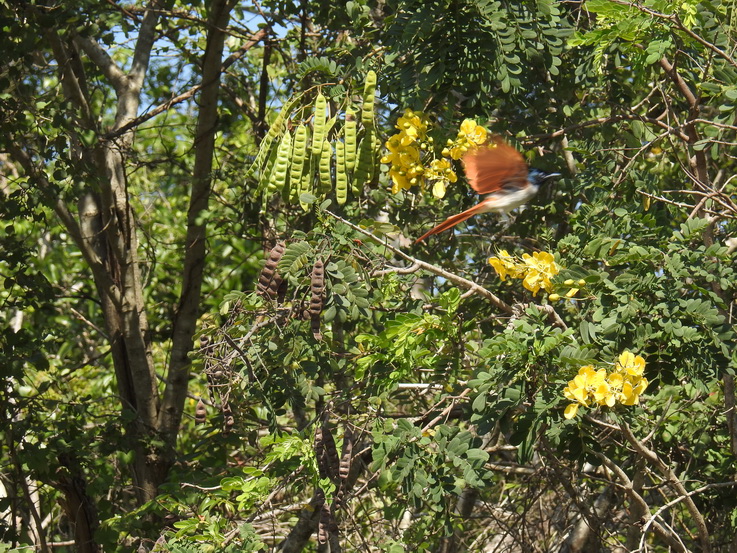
(623, 384)
(405, 167)
(470, 137)
(440, 173)
(535, 270)
(411, 144)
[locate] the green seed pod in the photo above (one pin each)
(278, 177)
(305, 184)
(265, 186)
(341, 177)
(369, 93)
(365, 163)
(350, 131)
(275, 130)
(299, 154)
(326, 179)
(318, 124)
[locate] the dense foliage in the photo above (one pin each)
(219, 334)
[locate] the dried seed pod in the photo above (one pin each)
(317, 287)
(315, 327)
(323, 466)
(346, 457)
(331, 453)
(200, 412)
(269, 280)
(228, 420)
(325, 523)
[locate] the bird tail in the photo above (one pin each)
(452, 221)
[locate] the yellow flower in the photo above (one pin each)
(615, 382)
(399, 181)
(630, 364)
(457, 151)
(440, 166)
(631, 390)
(622, 385)
(476, 134)
(412, 126)
(470, 136)
(571, 410)
(438, 188)
(585, 383)
(540, 268)
(506, 265)
(441, 174)
(588, 384)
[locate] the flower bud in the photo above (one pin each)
(553, 297)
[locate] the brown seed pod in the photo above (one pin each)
(200, 412)
(331, 453)
(345, 468)
(323, 466)
(228, 420)
(315, 327)
(346, 457)
(325, 523)
(317, 287)
(269, 280)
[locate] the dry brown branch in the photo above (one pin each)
(652, 458)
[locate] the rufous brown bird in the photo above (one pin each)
(500, 171)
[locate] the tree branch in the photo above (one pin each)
(677, 20)
(669, 537)
(185, 321)
(70, 224)
(144, 44)
(652, 457)
(104, 62)
(255, 39)
(69, 79)
(455, 279)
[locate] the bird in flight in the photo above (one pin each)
(499, 171)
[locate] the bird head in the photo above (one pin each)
(538, 177)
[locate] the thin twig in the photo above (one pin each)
(455, 279)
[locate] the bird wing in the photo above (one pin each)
(495, 165)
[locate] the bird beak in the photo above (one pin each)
(552, 175)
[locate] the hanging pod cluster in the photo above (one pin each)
(337, 470)
(306, 153)
(273, 286)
